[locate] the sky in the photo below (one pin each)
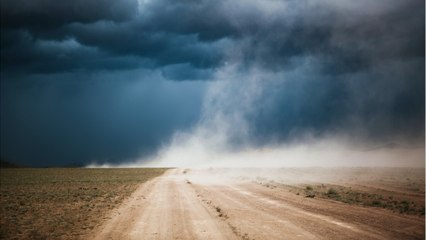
(113, 82)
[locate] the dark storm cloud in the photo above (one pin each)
(161, 47)
(25, 54)
(203, 33)
(75, 118)
(186, 72)
(349, 67)
(381, 105)
(43, 15)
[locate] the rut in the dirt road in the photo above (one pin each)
(165, 208)
(178, 205)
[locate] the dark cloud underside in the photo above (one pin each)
(111, 80)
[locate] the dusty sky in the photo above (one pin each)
(110, 81)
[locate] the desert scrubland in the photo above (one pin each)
(62, 203)
(304, 203)
(251, 203)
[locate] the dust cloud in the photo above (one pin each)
(224, 136)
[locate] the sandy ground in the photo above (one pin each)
(179, 205)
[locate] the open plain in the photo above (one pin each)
(286, 203)
(62, 203)
(354, 203)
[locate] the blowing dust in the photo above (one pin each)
(225, 135)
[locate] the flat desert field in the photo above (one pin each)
(287, 203)
(62, 203)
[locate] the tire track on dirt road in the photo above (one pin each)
(181, 205)
(164, 208)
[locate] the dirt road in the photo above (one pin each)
(179, 205)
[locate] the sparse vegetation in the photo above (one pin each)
(268, 184)
(351, 196)
(387, 188)
(220, 212)
(309, 192)
(332, 192)
(62, 203)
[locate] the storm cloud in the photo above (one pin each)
(110, 81)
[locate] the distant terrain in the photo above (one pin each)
(6, 164)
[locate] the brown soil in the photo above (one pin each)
(189, 204)
(64, 203)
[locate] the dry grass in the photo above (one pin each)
(406, 203)
(62, 203)
(388, 200)
(400, 190)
